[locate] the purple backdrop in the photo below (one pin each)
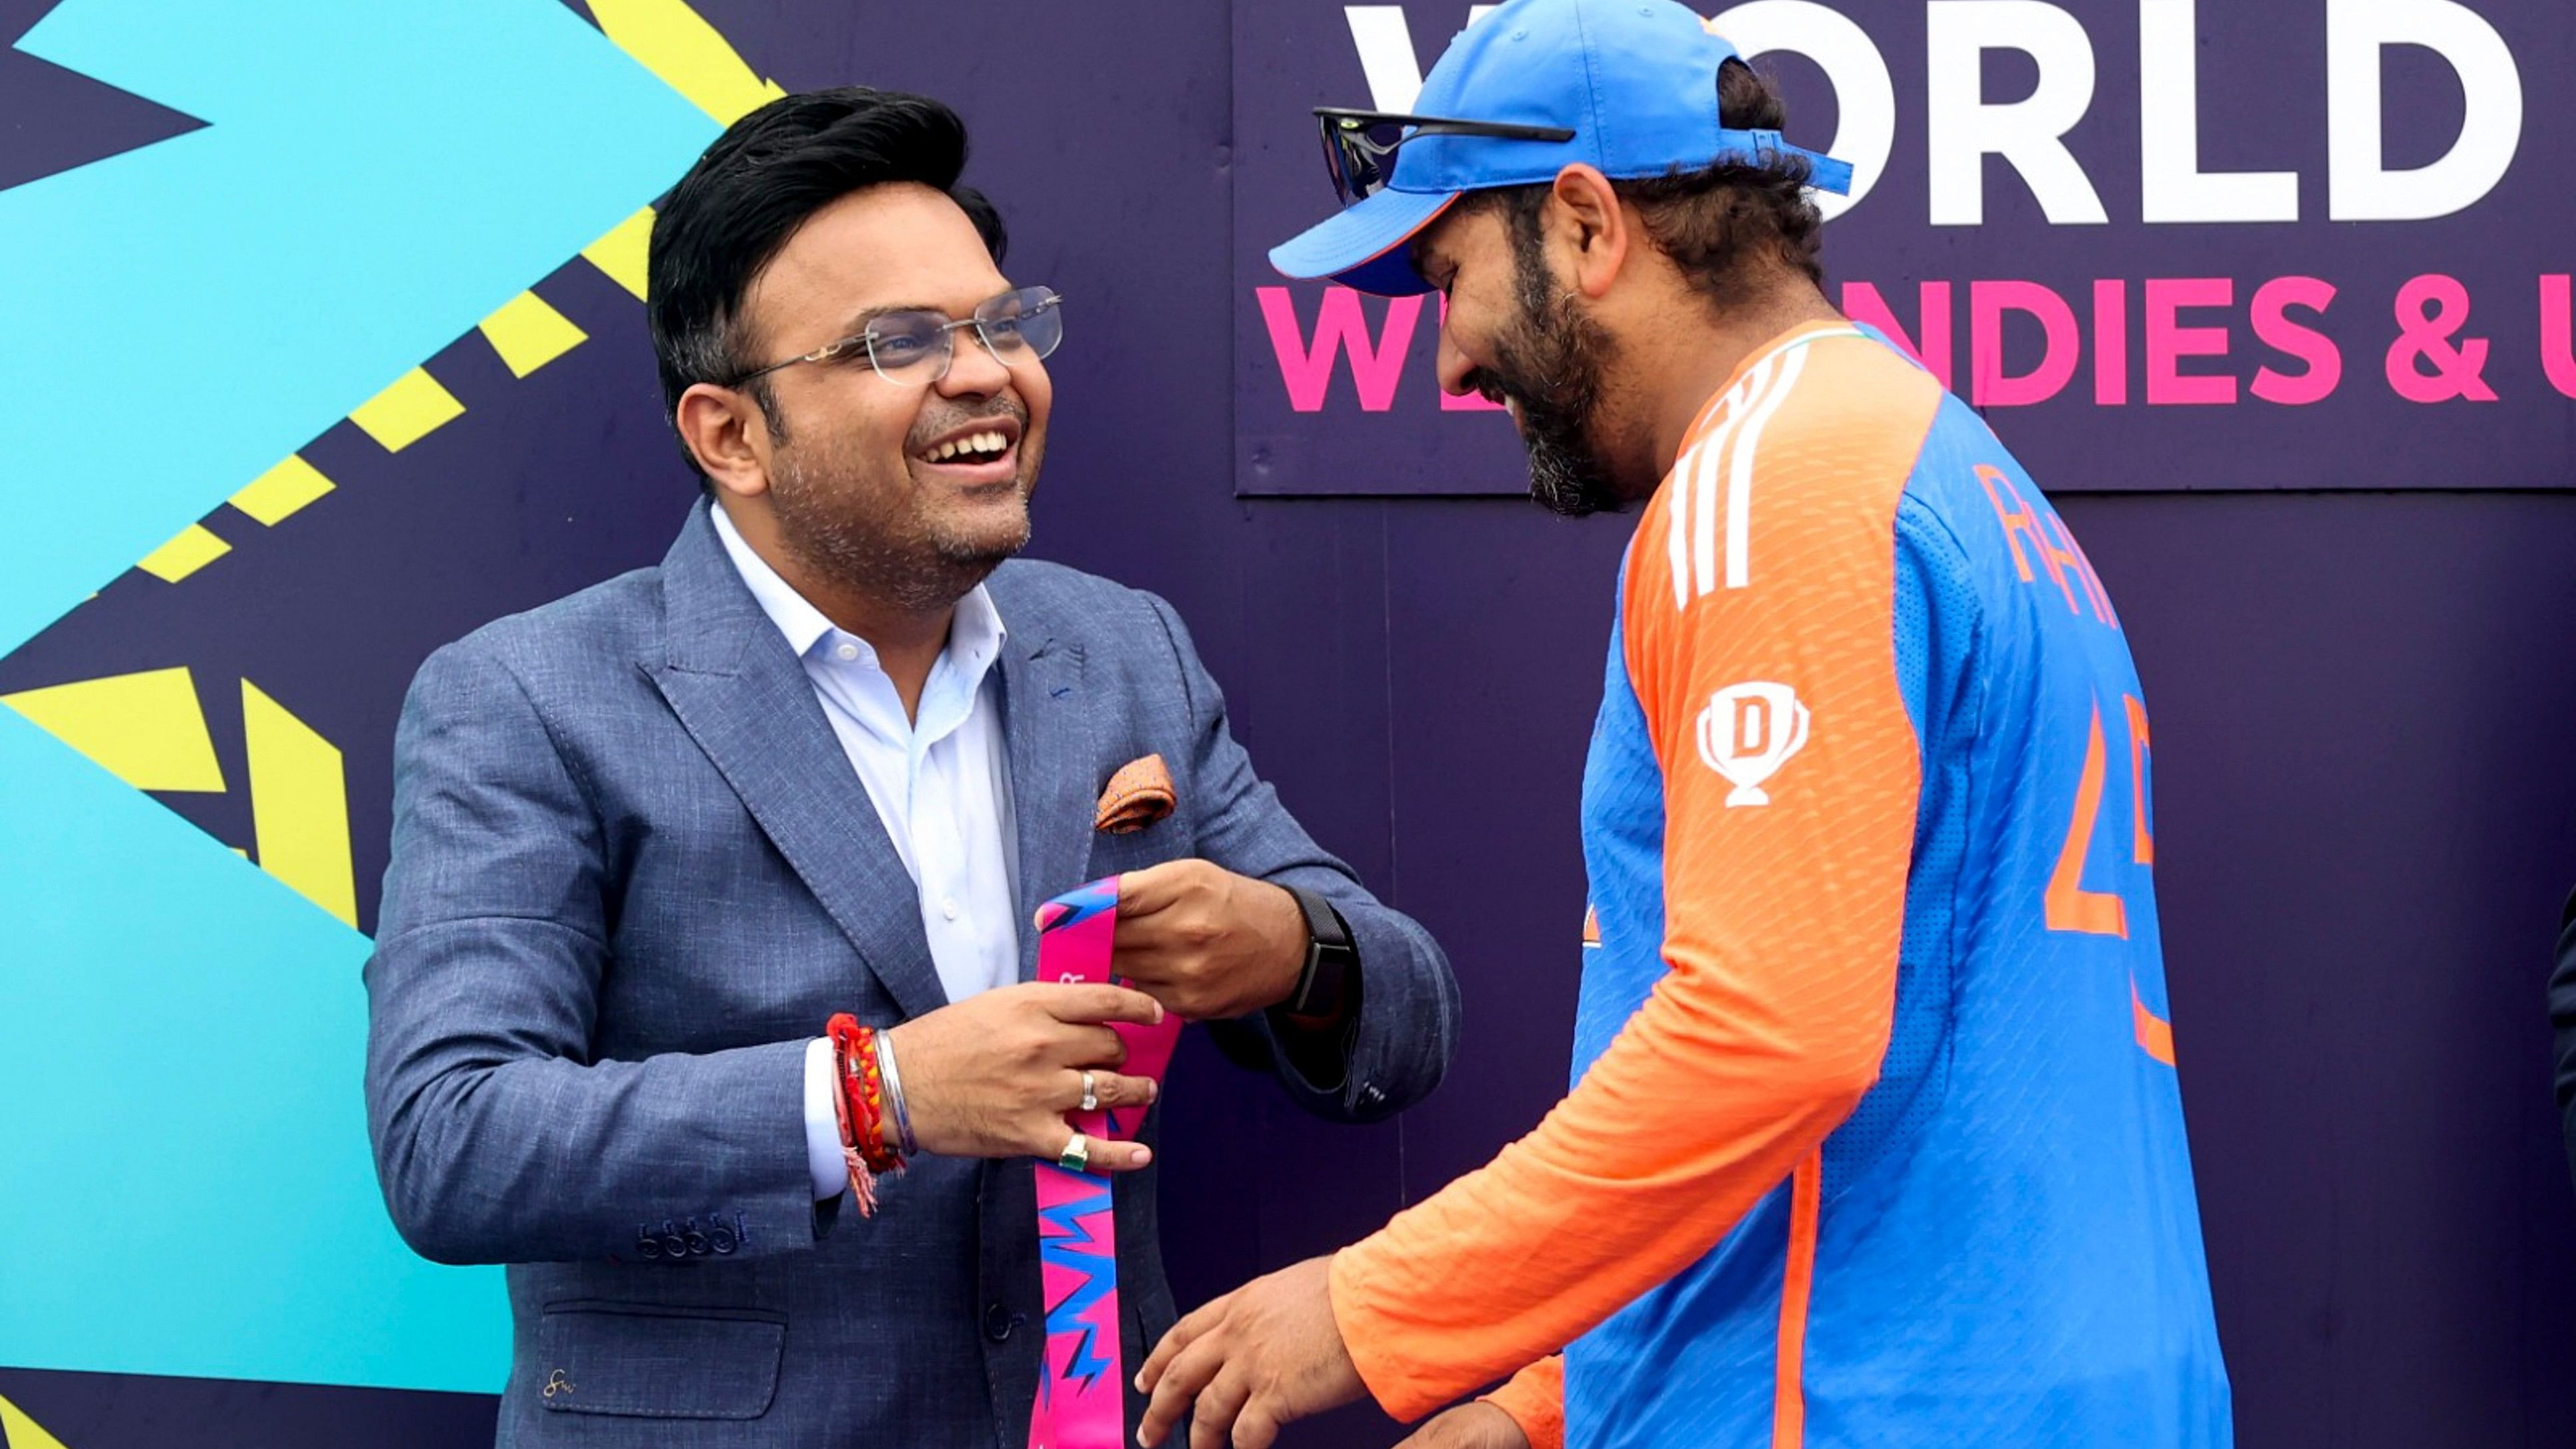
(2365, 810)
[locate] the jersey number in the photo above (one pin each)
(2069, 906)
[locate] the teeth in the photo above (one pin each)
(991, 443)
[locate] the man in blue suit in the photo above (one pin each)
(829, 757)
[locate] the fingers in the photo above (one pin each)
(1115, 1157)
(1108, 1089)
(1175, 1374)
(1254, 1428)
(1100, 1154)
(1155, 888)
(1088, 1004)
(1212, 1418)
(1179, 1336)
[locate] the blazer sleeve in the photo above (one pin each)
(2562, 1020)
(498, 1139)
(1398, 1046)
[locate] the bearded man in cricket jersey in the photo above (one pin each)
(1875, 1137)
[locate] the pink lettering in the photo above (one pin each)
(1339, 325)
(2557, 358)
(1987, 303)
(2272, 324)
(2111, 342)
(2431, 309)
(2168, 342)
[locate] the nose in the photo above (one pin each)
(1454, 364)
(973, 370)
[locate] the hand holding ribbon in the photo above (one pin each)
(1081, 1402)
(995, 1074)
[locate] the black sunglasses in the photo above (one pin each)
(1360, 146)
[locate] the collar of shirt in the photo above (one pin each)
(975, 638)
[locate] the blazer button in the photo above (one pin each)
(998, 1322)
(674, 1246)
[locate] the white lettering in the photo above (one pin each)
(2172, 185)
(1863, 94)
(1387, 58)
(2359, 188)
(1962, 129)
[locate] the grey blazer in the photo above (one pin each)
(633, 873)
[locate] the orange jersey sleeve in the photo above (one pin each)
(1760, 640)
(1535, 1398)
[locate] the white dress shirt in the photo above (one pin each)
(941, 782)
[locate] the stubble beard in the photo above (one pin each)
(913, 559)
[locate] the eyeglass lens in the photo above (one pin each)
(1015, 327)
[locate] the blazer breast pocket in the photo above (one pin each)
(1116, 854)
(654, 1361)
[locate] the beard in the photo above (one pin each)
(1550, 364)
(873, 533)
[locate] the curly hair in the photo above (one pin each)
(1724, 226)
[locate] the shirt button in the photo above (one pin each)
(847, 652)
(948, 907)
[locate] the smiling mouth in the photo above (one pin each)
(989, 446)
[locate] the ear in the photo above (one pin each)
(1595, 231)
(724, 429)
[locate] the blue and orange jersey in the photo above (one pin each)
(1875, 1137)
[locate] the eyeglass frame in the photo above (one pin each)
(866, 339)
(1343, 128)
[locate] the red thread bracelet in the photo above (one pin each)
(862, 1083)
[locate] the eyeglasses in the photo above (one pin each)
(916, 348)
(1360, 146)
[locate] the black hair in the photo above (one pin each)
(761, 180)
(1723, 226)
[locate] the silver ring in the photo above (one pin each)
(1090, 1093)
(1076, 1156)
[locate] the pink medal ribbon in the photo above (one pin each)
(1081, 1400)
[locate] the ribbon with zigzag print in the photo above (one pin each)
(1081, 1388)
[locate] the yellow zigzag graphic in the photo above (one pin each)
(690, 56)
(20, 1432)
(149, 729)
(145, 729)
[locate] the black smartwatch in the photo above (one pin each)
(1331, 975)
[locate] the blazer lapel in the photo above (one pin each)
(745, 698)
(1048, 725)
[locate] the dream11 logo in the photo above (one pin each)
(2427, 359)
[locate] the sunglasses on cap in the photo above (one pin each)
(1360, 146)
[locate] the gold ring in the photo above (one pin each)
(1076, 1156)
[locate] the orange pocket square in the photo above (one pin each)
(1137, 796)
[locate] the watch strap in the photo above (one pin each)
(1324, 984)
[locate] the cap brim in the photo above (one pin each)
(1364, 246)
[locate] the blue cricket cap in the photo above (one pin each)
(1635, 80)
